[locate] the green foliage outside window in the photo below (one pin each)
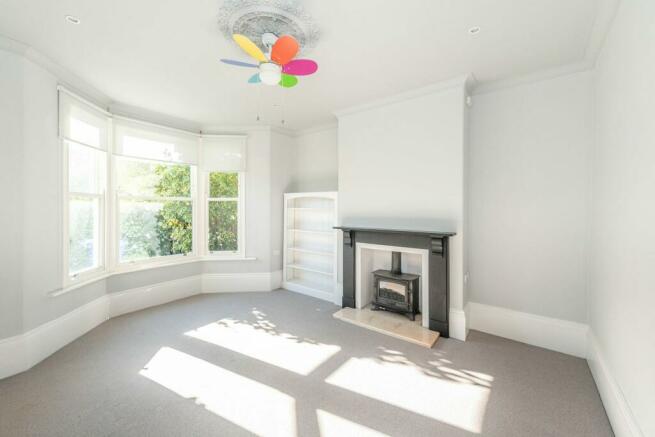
(174, 221)
(155, 228)
(223, 214)
(158, 228)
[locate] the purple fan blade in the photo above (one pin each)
(239, 63)
(300, 67)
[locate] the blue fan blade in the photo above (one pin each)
(239, 63)
(254, 78)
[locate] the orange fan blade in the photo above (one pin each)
(284, 49)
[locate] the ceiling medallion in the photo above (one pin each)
(254, 18)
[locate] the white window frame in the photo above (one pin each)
(241, 217)
(108, 215)
(137, 264)
(101, 197)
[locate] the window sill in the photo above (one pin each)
(136, 267)
(227, 258)
(73, 285)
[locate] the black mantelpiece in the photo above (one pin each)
(434, 241)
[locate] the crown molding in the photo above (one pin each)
(283, 131)
(541, 75)
(603, 20)
(11, 45)
(153, 117)
(438, 87)
(64, 77)
(316, 129)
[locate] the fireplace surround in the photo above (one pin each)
(435, 243)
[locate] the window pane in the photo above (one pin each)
(223, 184)
(149, 229)
(85, 169)
(84, 234)
(143, 178)
(223, 226)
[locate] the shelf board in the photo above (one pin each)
(304, 283)
(312, 252)
(310, 208)
(309, 231)
(309, 269)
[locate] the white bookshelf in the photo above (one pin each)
(310, 244)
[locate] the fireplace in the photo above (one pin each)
(434, 295)
(394, 290)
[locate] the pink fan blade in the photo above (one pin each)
(300, 67)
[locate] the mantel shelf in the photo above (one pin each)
(433, 233)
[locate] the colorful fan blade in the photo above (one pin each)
(288, 81)
(249, 47)
(254, 78)
(300, 67)
(284, 49)
(239, 63)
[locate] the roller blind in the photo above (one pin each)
(141, 140)
(225, 153)
(81, 122)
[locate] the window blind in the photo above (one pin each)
(81, 122)
(225, 153)
(141, 140)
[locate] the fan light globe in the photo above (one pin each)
(270, 73)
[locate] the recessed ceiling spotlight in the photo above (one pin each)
(474, 30)
(73, 20)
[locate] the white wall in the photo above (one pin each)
(35, 176)
(622, 273)
(529, 185)
(283, 151)
(315, 160)
(11, 158)
(401, 164)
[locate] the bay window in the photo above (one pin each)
(139, 193)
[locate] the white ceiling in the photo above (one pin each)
(162, 55)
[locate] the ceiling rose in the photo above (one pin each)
(254, 18)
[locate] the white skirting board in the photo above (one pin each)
(323, 295)
(23, 351)
(554, 334)
(240, 282)
(136, 299)
(617, 408)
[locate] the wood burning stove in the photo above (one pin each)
(396, 291)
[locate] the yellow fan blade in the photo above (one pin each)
(249, 47)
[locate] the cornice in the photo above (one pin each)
(438, 87)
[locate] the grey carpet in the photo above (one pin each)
(92, 387)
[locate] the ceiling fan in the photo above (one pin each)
(277, 67)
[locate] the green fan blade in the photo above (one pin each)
(288, 80)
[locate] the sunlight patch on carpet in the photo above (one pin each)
(263, 342)
(331, 425)
(428, 392)
(249, 404)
